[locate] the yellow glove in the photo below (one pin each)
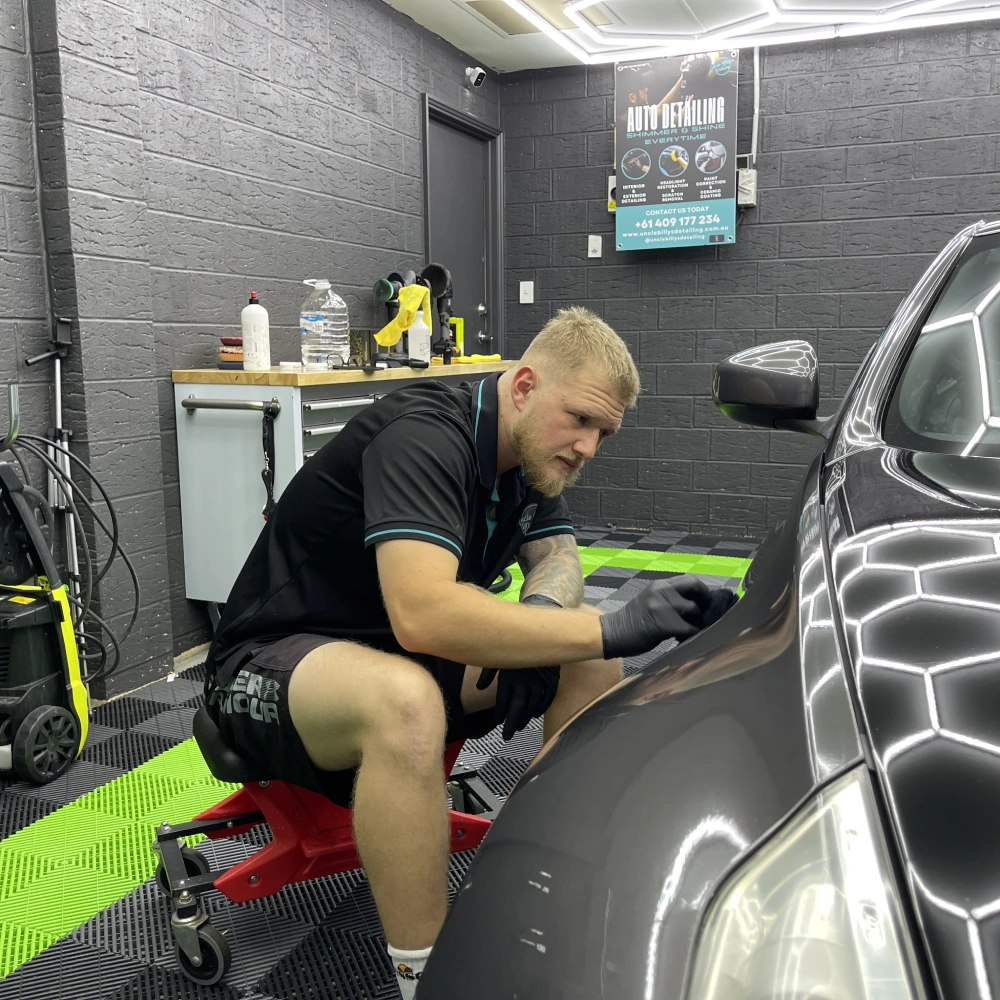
(411, 298)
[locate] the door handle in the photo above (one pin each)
(482, 309)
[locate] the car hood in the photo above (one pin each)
(914, 545)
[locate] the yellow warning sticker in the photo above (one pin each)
(21, 600)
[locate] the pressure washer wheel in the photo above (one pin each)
(45, 744)
(216, 957)
(195, 863)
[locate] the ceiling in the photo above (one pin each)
(510, 35)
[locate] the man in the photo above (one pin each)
(350, 625)
(644, 86)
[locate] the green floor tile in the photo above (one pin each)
(65, 833)
(673, 562)
(63, 899)
(61, 870)
(721, 566)
(134, 795)
(183, 762)
(19, 870)
(127, 852)
(513, 592)
(64, 868)
(18, 944)
(186, 804)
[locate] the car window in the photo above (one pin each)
(948, 397)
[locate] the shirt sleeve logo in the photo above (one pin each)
(527, 517)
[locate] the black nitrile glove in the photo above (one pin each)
(666, 609)
(523, 694)
(720, 601)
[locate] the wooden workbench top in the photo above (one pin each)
(276, 376)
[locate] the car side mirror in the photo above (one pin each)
(773, 385)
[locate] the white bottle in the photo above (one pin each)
(419, 338)
(256, 337)
(324, 328)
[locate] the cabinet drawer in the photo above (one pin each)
(323, 419)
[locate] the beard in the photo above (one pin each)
(536, 462)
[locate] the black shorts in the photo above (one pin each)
(251, 711)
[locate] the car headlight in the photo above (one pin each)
(813, 915)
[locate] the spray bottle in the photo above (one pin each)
(419, 337)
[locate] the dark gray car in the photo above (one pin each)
(802, 801)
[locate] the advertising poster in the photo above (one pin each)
(675, 150)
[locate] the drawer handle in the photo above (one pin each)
(273, 408)
(337, 404)
(324, 429)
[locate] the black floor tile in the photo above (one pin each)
(69, 970)
(123, 713)
(18, 811)
(319, 939)
(162, 983)
(127, 750)
(84, 776)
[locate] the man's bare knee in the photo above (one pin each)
(409, 723)
(346, 699)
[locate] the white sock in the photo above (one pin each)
(409, 966)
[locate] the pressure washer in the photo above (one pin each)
(50, 652)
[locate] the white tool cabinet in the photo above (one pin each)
(220, 450)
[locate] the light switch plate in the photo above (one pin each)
(527, 292)
(594, 246)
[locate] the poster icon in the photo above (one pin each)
(636, 164)
(710, 157)
(674, 161)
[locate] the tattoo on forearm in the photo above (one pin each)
(551, 566)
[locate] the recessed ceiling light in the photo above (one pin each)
(775, 23)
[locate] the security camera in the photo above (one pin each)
(476, 75)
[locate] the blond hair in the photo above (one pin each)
(576, 338)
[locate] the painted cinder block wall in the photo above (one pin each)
(871, 155)
(186, 151)
(189, 151)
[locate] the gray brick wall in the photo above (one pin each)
(95, 229)
(23, 307)
(193, 150)
(862, 178)
(281, 141)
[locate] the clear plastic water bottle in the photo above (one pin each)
(324, 327)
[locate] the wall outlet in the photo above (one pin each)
(527, 292)
(746, 187)
(594, 246)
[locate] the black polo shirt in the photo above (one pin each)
(419, 463)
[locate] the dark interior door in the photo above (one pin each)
(458, 226)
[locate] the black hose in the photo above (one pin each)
(115, 544)
(101, 655)
(100, 672)
(25, 475)
(500, 585)
(89, 577)
(87, 613)
(113, 535)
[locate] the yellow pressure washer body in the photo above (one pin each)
(44, 703)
